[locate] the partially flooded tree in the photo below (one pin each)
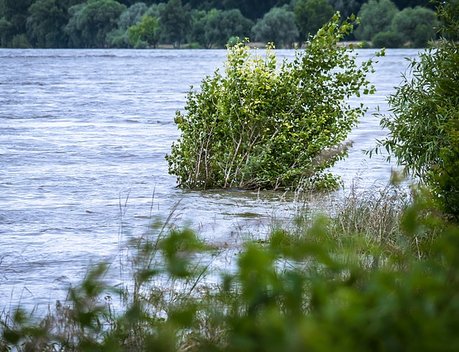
(272, 126)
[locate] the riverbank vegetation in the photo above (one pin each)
(205, 24)
(424, 126)
(379, 272)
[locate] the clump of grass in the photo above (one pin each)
(375, 214)
(372, 217)
(370, 221)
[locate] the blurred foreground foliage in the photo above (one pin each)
(379, 275)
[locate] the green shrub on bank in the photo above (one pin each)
(261, 125)
(424, 128)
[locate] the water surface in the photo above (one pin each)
(83, 135)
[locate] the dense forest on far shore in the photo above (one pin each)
(205, 23)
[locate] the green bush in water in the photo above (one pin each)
(267, 126)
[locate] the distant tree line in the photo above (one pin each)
(204, 23)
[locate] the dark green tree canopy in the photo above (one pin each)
(216, 27)
(61, 23)
(119, 37)
(90, 22)
(6, 29)
(311, 15)
(175, 20)
(375, 16)
(253, 9)
(145, 33)
(277, 26)
(424, 126)
(132, 15)
(346, 7)
(415, 25)
(45, 24)
(13, 17)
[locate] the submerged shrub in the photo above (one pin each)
(270, 126)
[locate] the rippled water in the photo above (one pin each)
(83, 134)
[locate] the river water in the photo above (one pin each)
(83, 135)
